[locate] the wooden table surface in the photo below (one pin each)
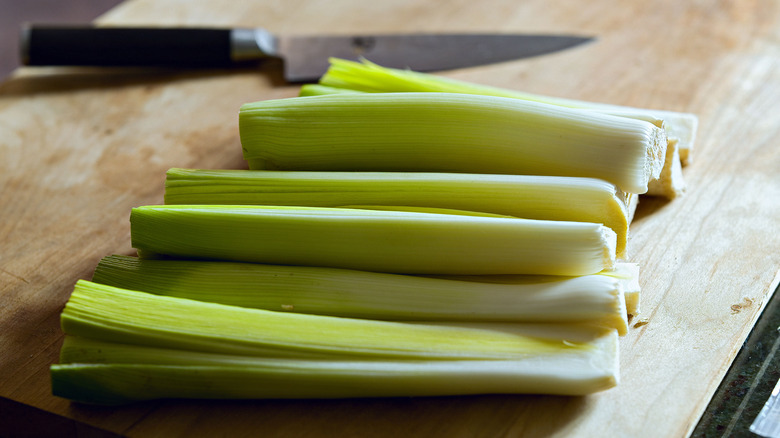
(79, 148)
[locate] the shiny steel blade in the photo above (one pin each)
(306, 58)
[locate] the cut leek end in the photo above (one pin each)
(619, 319)
(656, 154)
(632, 303)
(609, 248)
(670, 182)
(628, 274)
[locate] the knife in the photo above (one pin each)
(305, 58)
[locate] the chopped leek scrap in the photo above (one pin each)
(108, 373)
(373, 240)
(447, 132)
(350, 76)
(596, 299)
(522, 196)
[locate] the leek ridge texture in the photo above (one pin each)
(446, 132)
(123, 346)
(381, 241)
(595, 299)
(522, 196)
(113, 374)
(346, 76)
(113, 314)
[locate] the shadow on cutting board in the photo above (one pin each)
(648, 205)
(28, 81)
(486, 415)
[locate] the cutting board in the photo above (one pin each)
(80, 147)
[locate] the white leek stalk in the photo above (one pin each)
(445, 132)
(381, 241)
(628, 274)
(522, 196)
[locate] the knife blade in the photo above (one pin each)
(305, 58)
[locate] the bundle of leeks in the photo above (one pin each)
(401, 235)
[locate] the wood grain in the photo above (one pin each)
(80, 147)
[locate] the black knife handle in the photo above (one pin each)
(113, 47)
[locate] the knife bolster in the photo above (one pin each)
(251, 44)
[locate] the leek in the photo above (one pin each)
(596, 299)
(368, 77)
(522, 196)
(382, 241)
(628, 274)
(670, 183)
(321, 90)
(113, 314)
(445, 132)
(109, 373)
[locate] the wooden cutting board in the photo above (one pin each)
(79, 148)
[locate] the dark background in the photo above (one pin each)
(15, 12)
